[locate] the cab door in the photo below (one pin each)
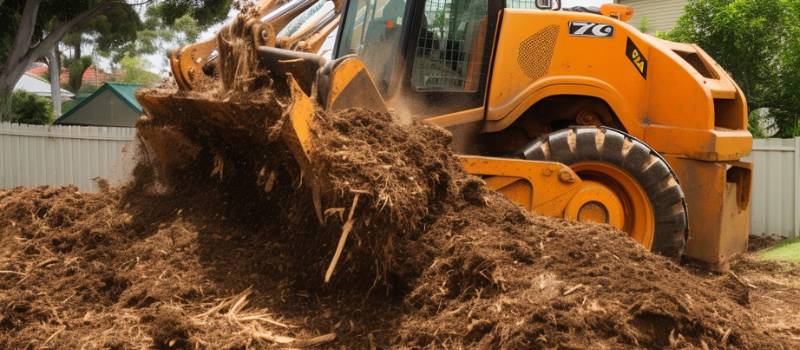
(448, 53)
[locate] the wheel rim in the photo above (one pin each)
(613, 196)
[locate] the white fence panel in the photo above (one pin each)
(35, 155)
(775, 206)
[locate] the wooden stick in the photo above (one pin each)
(742, 281)
(294, 342)
(53, 336)
(47, 262)
(326, 338)
(573, 289)
(11, 272)
(278, 339)
(346, 228)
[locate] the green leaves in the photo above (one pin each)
(172, 23)
(757, 43)
(27, 108)
(189, 26)
(206, 12)
(76, 68)
(135, 73)
(125, 26)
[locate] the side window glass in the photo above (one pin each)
(521, 4)
(450, 46)
(373, 30)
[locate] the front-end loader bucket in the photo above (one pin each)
(276, 118)
(245, 87)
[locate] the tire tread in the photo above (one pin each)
(666, 197)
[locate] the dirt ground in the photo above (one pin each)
(774, 290)
(82, 270)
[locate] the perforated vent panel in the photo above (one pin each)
(536, 52)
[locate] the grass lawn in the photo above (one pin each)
(787, 251)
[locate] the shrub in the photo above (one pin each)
(27, 108)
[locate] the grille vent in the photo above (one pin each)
(536, 52)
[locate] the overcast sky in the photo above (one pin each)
(158, 64)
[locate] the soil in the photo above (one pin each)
(759, 243)
(774, 289)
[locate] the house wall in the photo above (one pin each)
(661, 14)
(106, 109)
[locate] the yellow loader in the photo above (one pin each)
(570, 113)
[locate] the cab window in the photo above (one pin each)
(373, 31)
(450, 46)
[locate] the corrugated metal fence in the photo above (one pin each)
(775, 208)
(34, 155)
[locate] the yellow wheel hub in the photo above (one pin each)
(611, 196)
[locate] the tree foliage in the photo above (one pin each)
(206, 12)
(135, 73)
(172, 23)
(76, 68)
(32, 29)
(757, 43)
(106, 31)
(27, 108)
(109, 29)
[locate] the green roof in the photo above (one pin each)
(126, 92)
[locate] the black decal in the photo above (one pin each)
(637, 58)
(591, 29)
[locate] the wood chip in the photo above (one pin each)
(7, 272)
(322, 339)
(573, 289)
(47, 262)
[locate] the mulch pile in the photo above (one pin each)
(217, 244)
(217, 261)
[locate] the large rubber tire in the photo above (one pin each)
(599, 144)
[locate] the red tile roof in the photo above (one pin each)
(91, 77)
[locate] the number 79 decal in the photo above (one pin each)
(591, 29)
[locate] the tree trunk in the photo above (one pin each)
(76, 53)
(55, 82)
(14, 67)
(78, 82)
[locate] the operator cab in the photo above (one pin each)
(429, 57)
